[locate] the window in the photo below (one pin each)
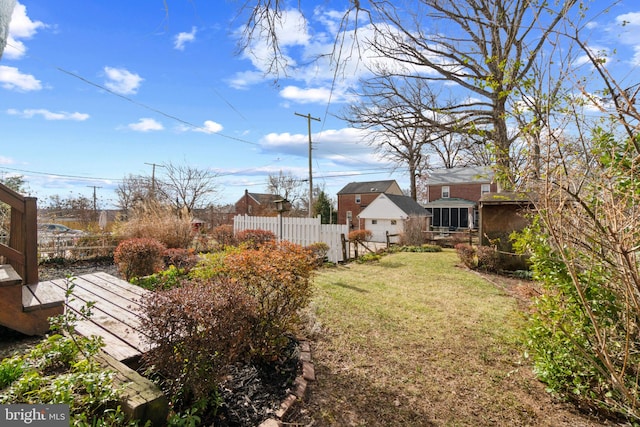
(349, 217)
(445, 191)
(357, 199)
(486, 188)
(394, 222)
(374, 221)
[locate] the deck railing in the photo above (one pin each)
(21, 250)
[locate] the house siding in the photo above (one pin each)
(347, 202)
(467, 191)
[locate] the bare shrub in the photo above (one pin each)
(413, 234)
(488, 259)
(467, 254)
(184, 259)
(319, 251)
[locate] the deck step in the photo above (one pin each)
(41, 295)
(8, 276)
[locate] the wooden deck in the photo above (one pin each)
(115, 315)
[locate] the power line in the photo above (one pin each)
(138, 103)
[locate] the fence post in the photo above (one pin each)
(344, 248)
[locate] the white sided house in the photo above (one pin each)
(388, 214)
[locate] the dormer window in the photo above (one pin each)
(446, 193)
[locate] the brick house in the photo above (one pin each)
(257, 204)
(356, 196)
(453, 195)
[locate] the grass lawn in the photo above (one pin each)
(416, 340)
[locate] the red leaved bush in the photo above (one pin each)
(254, 238)
(196, 332)
(360, 235)
(223, 235)
(139, 257)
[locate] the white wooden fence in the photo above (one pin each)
(303, 231)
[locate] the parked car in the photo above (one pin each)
(48, 232)
(59, 229)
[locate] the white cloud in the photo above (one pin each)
(122, 81)
(11, 78)
(146, 125)
(49, 115)
(244, 79)
(305, 96)
(341, 146)
(6, 160)
(21, 27)
(182, 38)
(210, 127)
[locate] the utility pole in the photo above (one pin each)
(309, 118)
(153, 179)
(95, 200)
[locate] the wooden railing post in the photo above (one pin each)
(31, 240)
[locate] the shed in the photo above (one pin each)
(388, 213)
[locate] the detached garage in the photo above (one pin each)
(387, 214)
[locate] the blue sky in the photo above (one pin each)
(92, 91)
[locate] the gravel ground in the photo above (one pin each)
(51, 271)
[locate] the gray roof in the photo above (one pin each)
(265, 199)
(367, 187)
(475, 174)
(407, 204)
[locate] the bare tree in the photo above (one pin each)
(286, 186)
(132, 190)
(187, 187)
(6, 10)
(486, 48)
(393, 110)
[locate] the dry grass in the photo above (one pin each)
(416, 340)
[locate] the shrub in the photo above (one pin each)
(360, 235)
(172, 277)
(488, 259)
(254, 238)
(223, 235)
(139, 257)
(156, 221)
(184, 259)
(196, 333)
(467, 254)
(421, 248)
(278, 278)
(413, 234)
(319, 251)
(371, 257)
